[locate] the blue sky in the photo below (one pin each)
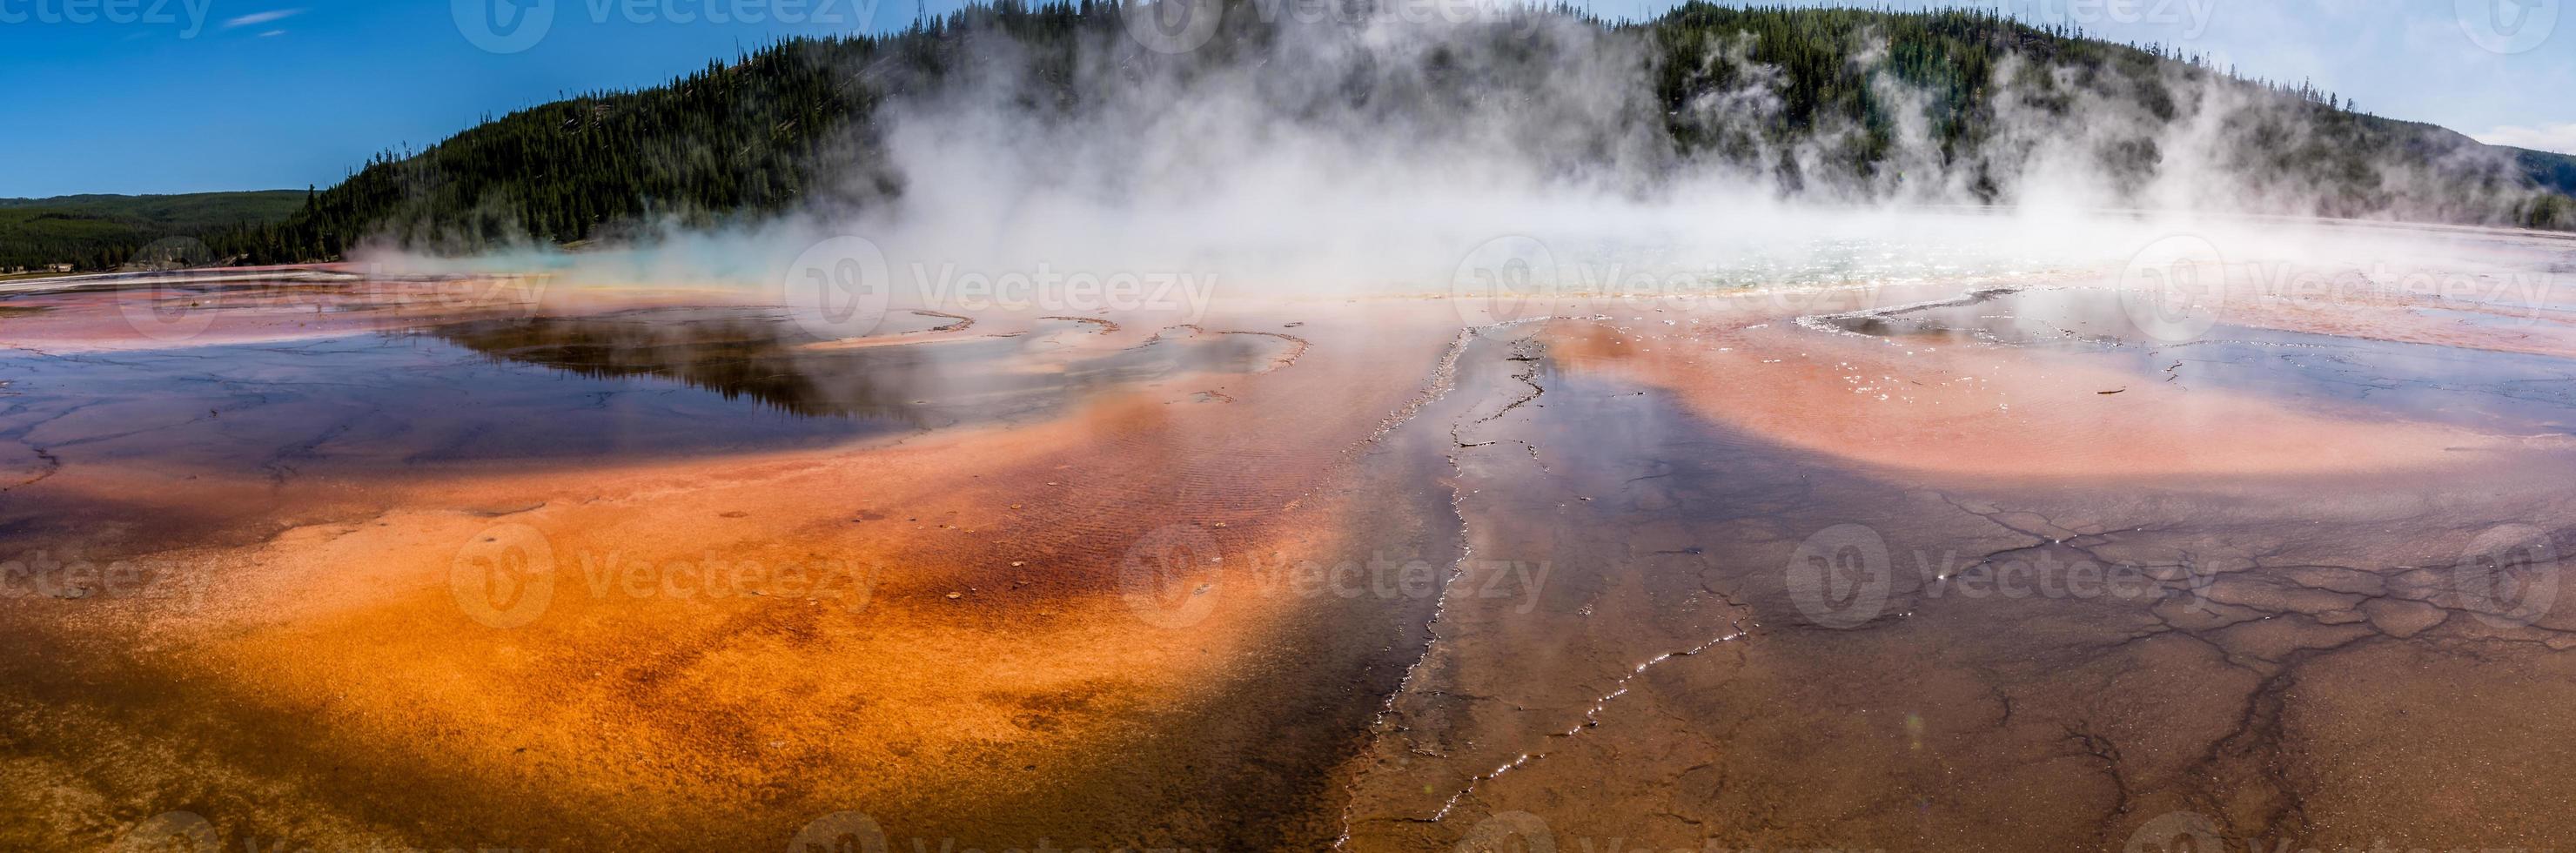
(137, 96)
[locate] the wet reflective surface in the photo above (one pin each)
(2499, 390)
(762, 356)
(1968, 558)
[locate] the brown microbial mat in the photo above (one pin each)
(1992, 561)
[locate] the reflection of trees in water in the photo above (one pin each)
(756, 354)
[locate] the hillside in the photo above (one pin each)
(1845, 104)
(99, 231)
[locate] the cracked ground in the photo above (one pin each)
(1958, 564)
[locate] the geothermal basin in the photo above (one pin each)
(2262, 544)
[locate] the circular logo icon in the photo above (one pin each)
(161, 305)
(170, 832)
(2175, 832)
(1501, 277)
(505, 576)
(838, 288)
(1174, 26)
(840, 832)
(1840, 576)
(1509, 832)
(2173, 288)
(2507, 26)
(503, 26)
(2508, 576)
(1161, 576)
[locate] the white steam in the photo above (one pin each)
(1376, 156)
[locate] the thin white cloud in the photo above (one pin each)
(2559, 137)
(262, 17)
(272, 33)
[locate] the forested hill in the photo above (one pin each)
(95, 231)
(1873, 104)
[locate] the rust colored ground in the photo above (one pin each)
(420, 566)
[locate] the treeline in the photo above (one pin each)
(750, 137)
(103, 231)
(2293, 145)
(732, 138)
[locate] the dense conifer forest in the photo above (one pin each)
(794, 123)
(102, 231)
